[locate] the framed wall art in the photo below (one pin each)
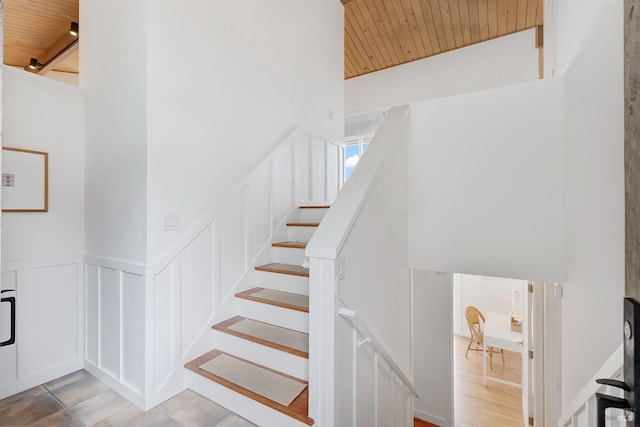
(25, 180)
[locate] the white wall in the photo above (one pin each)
(41, 252)
(113, 61)
(227, 82)
(43, 115)
(506, 60)
(485, 173)
(590, 57)
(487, 294)
(433, 346)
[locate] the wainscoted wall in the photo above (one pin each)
(49, 333)
(145, 322)
(115, 322)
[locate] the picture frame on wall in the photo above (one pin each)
(25, 180)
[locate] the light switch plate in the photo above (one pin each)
(171, 222)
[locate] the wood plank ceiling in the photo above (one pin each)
(32, 27)
(384, 33)
(378, 33)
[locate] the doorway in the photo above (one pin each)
(436, 352)
(488, 388)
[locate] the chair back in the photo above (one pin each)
(473, 316)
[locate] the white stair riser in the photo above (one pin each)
(288, 255)
(300, 234)
(263, 355)
(253, 411)
(280, 316)
(312, 215)
(283, 282)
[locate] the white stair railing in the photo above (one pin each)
(581, 412)
(359, 255)
(370, 337)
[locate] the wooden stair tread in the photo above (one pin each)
(298, 409)
(303, 224)
(314, 206)
(294, 270)
(262, 337)
(281, 299)
(289, 244)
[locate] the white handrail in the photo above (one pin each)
(370, 337)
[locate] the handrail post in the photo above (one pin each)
(322, 315)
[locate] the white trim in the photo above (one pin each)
(40, 79)
(117, 264)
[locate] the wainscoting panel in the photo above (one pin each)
(133, 331)
(52, 316)
(197, 300)
(260, 209)
(233, 244)
(49, 328)
(110, 321)
(318, 169)
(92, 317)
(165, 340)
(303, 181)
(283, 176)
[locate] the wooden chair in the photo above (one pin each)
(473, 316)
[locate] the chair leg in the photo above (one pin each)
(468, 347)
(502, 351)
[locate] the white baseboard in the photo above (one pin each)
(131, 395)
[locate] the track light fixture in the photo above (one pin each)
(75, 29)
(34, 64)
(59, 51)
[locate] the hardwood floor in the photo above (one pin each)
(491, 405)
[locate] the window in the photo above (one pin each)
(355, 148)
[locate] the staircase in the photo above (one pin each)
(260, 368)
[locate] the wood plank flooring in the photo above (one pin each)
(495, 404)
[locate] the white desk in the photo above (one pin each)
(498, 334)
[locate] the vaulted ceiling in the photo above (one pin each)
(378, 33)
(384, 33)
